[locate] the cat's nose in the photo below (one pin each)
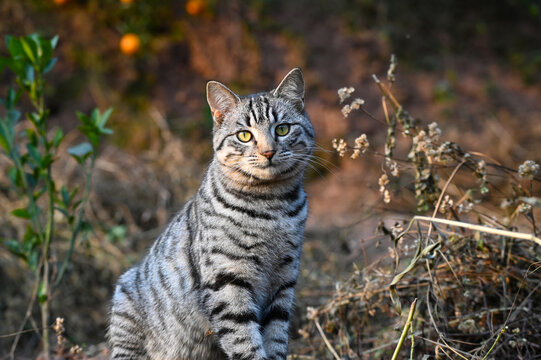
(268, 154)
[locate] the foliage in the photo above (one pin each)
(33, 149)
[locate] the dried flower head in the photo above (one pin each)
(361, 145)
(340, 146)
(434, 132)
(391, 73)
(76, 349)
(345, 93)
(393, 166)
(355, 105)
(465, 208)
(382, 182)
(528, 169)
(481, 173)
(386, 196)
(58, 328)
(446, 204)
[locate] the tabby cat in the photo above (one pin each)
(219, 282)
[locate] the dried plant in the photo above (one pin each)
(475, 275)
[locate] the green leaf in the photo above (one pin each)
(105, 116)
(58, 137)
(34, 153)
(6, 137)
(95, 115)
(14, 47)
(32, 136)
(81, 152)
(29, 49)
(14, 176)
(12, 98)
(83, 118)
(33, 260)
(7, 129)
(21, 213)
(15, 248)
(54, 41)
(35, 118)
(65, 196)
(46, 161)
(13, 116)
(15, 65)
(49, 66)
(31, 179)
(28, 74)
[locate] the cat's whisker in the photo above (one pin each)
(317, 161)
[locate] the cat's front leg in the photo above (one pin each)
(275, 322)
(234, 316)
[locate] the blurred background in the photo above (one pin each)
(474, 67)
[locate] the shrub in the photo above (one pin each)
(32, 148)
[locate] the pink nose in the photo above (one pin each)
(268, 154)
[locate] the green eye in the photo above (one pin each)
(244, 136)
(282, 130)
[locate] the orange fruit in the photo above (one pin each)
(127, 1)
(195, 7)
(60, 2)
(129, 43)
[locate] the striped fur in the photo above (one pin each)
(219, 282)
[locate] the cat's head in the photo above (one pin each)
(263, 137)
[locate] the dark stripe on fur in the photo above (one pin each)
(231, 256)
(297, 209)
(249, 212)
(196, 278)
(240, 318)
(276, 313)
(218, 309)
(223, 279)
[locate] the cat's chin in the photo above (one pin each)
(276, 172)
(273, 173)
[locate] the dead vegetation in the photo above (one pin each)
(471, 272)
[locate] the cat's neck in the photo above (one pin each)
(231, 179)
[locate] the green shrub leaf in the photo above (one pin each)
(80, 152)
(21, 213)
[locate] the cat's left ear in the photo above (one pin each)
(221, 100)
(292, 88)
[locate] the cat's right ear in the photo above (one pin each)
(221, 100)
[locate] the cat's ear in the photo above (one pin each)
(292, 88)
(221, 100)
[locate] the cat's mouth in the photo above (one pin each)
(265, 164)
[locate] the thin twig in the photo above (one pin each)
(482, 228)
(386, 92)
(495, 342)
(436, 208)
(329, 346)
